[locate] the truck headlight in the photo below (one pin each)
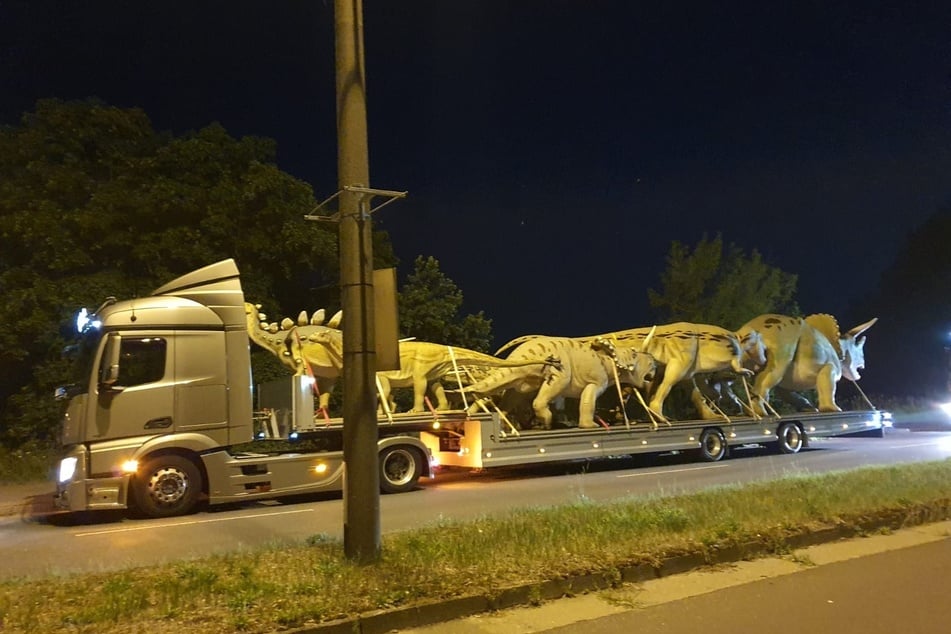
(67, 467)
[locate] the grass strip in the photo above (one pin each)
(280, 587)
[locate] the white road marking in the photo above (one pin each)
(129, 529)
(637, 475)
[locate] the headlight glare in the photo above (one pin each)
(67, 467)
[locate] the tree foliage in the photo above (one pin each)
(429, 310)
(94, 202)
(908, 352)
(713, 284)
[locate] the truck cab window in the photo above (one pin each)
(141, 361)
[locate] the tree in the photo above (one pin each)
(908, 352)
(94, 202)
(429, 310)
(720, 286)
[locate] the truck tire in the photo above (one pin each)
(713, 445)
(166, 485)
(400, 468)
(790, 437)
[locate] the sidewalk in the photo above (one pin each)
(30, 499)
(826, 594)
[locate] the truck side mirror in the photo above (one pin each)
(109, 367)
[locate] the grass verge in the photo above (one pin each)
(30, 463)
(276, 588)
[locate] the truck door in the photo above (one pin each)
(135, 387)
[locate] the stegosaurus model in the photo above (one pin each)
(318, 349)
(683, 350)
(324, 367)
(806, 354)
(584, 370)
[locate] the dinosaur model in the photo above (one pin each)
(318, 362)
(683, 350)
(578, 369)
(422, 364)
(808, 353)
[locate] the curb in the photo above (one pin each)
(440, 611)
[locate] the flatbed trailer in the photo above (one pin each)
(483, 441)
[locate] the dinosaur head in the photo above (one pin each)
(753, 350)
(853, 348)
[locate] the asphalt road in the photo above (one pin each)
(33, 545)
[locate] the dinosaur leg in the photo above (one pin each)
(324, 388)
(548, 392)
(764, 382)
(825, 386)
(586, 408)
(672, 374)
(439, 392)
(420, 386)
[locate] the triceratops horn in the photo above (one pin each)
(855, 332)
(647, 339)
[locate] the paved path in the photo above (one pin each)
(876, 585)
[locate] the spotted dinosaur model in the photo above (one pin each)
(804, 354)
(579, 369)
(683, 350)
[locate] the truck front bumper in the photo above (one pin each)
(80, 493)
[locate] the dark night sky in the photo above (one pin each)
(552, 150)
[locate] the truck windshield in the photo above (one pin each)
(80, 357)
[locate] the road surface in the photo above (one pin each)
(37, 546)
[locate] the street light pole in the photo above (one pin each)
(361, 529)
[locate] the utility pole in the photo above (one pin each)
(361, 529)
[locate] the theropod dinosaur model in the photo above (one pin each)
(808, 353)
(578, 369)
(683, 350)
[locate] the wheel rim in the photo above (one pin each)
(712, 444)
(792, 438)
(399, 467)
(168, 485)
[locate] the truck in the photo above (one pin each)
(161, 413)
(161, 417)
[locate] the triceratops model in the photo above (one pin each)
(577, 369)
(683, 350)
(808, 353)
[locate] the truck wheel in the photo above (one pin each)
(790, 438)
(400, 468)
(166, 486)
(713, 445)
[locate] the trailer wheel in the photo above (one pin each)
(400, 468)
(713, 445)
(790, 438)
(166, 485)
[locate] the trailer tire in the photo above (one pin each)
(400, 468)
(790, 437)
(166, 485)
(713, 445)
